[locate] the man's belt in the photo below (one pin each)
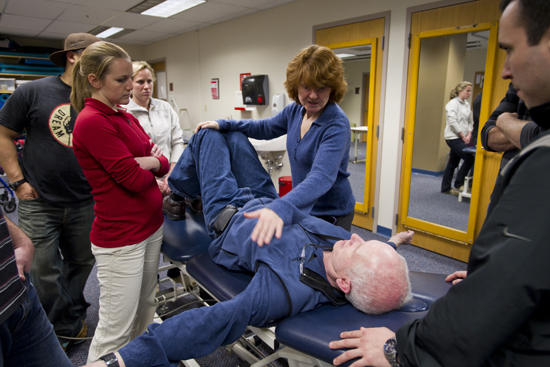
(220, 224)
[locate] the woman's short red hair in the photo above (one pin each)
(317, 67)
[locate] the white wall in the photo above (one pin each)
(264, 43)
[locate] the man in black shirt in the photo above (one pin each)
(55, 199)
(498, 315)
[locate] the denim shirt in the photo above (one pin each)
(236, 251)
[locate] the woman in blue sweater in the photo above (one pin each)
(318, 141)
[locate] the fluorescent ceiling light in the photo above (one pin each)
(343, 56)
(109, 32)
(171, 7)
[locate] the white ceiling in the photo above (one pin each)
(55, 19)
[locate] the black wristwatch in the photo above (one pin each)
(390, 352)
(16, 184)
(110, 360)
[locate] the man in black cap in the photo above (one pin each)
(55, 200)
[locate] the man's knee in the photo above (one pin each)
(204, 136)
(235, 136)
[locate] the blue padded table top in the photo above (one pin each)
(186, 238)
(428, 287)
(223, 284)
(311, 332)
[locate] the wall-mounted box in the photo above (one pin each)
(255, 90)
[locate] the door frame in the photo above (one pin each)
(369, 221)
(415, 223)
(365, 207)
(442, 15)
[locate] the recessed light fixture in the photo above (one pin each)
(343, 56)
(109, 32)
(170, 7)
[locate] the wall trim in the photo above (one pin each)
(383, 231)
(338, 23)
(427, 172)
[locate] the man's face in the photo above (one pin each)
(344, 253)
(527, 66)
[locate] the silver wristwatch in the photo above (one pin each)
(390, 352)
(110, 360)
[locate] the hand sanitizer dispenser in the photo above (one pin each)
(277, 103)
(255, 90)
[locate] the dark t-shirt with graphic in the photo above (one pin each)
(43, 108)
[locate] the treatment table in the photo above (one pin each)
(304, 337)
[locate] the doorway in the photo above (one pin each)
(440, 57)
(363, 43)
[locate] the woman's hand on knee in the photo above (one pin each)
(207, 125)
(269, 224)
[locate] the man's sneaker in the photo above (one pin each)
(80, 338)
(174, 210)
(195, 205)
(452, 191)
(455, 192)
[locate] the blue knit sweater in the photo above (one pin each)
(318, 162)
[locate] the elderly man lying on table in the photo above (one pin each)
(312, 263)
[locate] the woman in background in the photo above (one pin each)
(458, 134)
(157, 117)
(120, 163)
(318, 141)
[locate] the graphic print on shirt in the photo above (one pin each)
(61, 124)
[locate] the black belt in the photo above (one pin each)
(220, 224)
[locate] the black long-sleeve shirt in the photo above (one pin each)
(500, 314)
(510, 103)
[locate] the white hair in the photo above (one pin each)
(377, 291)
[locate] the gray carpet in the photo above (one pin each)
(357, 171)
(426, 200)
(428, 203)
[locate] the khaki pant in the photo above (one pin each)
(127, 280)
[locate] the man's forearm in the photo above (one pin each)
(22, 247)
(8, 154)
(511, 127)
(498, 142)
(16, 234)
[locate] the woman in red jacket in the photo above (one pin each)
(121, 163)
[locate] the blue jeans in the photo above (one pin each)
(457, 153)
(28, 339)
(199, 331)
(62, 259)
(232, 176)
